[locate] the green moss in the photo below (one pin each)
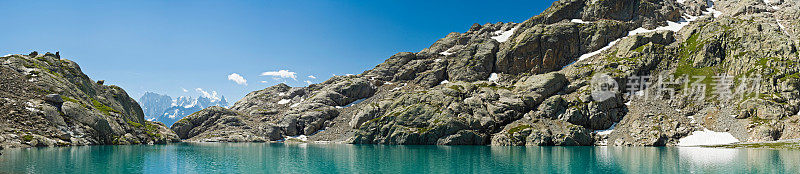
(422, 129)
(65, 98)
(33, 64)
(518, 128)
(135, 124)
(757, 120)
(791, 76)
(458, 88)
(27, 138)
(103, 108)
(149, 129)
(641, 48)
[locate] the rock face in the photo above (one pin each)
(547, 81)
(48, 101)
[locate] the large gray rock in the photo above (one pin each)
(53, 98)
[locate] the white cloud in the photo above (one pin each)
(309, 82)
(212, 95)
(263, 81)
(238, 79)
(184, 90)
(312, 77)
(280, 74)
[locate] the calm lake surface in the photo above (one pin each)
(341, 158)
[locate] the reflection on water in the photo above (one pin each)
(333, 158)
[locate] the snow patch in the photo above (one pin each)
(284, 101)
(194, 103)
(671, 26)
(707, 137)
(31, 107)
(587, 55)
(580, 21)
(294, 105)
(502, 36)
(607, 131)
(494, 77)
(711, 10)
(783, 28)
(399, 87)
(437, 60)
(447, 52)
(444, 82)
(299, 137)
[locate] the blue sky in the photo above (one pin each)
(169, 46)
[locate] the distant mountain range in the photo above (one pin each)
(165, 109)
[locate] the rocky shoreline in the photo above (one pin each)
(582, 73)
(534, 83)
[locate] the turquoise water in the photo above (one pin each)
(339, 158)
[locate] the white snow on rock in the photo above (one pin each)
(31, 107)
(294, 105)
(398, 87)
(707, 137)
(711, 10)
(783, 28)
(494, 77)
(588, 55)
(299, 137)
(448, 52)
(502, 36)
(607, 131)
(671, 26)
(444, 82)
(284, 101)
(580, 21)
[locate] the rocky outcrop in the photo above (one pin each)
(48, 101)
(533, 83)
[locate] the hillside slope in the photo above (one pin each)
(541, 82)
(48, 101)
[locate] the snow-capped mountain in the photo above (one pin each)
(156, 108)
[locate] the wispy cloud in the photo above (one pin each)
(280, 74)
(312, 77)
(184, 90)
(238, 79)
(308, 81)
